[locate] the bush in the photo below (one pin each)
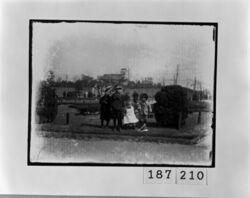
(71, 94)
(46, 109)
(170, 102)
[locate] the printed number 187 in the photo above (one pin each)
(159, 174)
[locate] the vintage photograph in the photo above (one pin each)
(122, 93)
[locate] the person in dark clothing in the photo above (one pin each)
(105, 108)
(117, 106)
(143, 113)
(136, 104)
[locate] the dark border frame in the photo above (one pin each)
(215, 37)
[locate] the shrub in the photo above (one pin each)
(46, 109)
(170, 102)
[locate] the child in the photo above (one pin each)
(144, 110)
(105, 107)
(129, 119)
(136, 104)
(117, 107)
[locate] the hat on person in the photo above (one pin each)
(108, 88)
(144, 95)
(118, 88)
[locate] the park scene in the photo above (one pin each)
(122, 110)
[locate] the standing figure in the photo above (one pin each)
(117, 108)
(129, 118)
(105, 108)
(136, 104)
(143, 114)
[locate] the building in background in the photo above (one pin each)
(147, 81)
(121, 77)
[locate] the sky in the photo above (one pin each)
(147, 50)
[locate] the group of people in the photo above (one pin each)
(124, 111)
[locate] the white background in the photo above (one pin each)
(230, 178)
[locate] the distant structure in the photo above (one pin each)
(125, 73)
(122, 77)
(176, 75)
(147, 81)
(86, 77)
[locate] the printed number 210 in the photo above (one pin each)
(199, 175)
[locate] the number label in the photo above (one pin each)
(187, 176)
(191, 176)
(159, 175)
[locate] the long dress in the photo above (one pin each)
(130, 117)
(105, 107)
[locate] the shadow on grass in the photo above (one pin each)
(96, 126)
(156, 125)
(149, 125)
(91, 125)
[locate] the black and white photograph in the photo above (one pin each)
(125, 98)
(126, 93)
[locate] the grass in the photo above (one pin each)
(86, 126)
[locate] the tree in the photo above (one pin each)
(64, 94)
(51, 78)
(46, 108)
(90, 94)
(78, 86)
(59, 80)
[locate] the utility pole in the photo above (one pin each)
(176, 75)
(200, 90)
(195, 83)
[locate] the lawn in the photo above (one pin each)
(89, 126)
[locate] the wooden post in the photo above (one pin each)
(179, 120)
(67, 118)
(199, 117)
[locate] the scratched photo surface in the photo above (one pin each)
(122, 93)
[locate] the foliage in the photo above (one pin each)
(71, 94)
(87, 81)
(170, 102)
(46, 108)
